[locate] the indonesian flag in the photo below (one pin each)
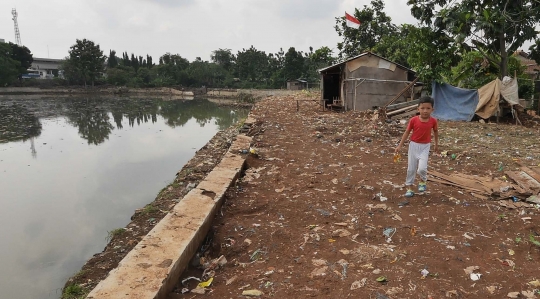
(352, 21)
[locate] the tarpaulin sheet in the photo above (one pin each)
(509, 90)
(489, 99)
(452, 103)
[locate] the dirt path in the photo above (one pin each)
(320, 213)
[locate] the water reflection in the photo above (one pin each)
(18, 123)
(94, 117)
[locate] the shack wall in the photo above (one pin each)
(371, 93)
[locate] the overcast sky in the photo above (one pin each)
(191, 28)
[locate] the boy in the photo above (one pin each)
(421, 126)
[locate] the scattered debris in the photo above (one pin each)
(252, 293)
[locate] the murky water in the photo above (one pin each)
(73, 169)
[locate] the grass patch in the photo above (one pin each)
(244, 97)
(74, 291)
(149, 209)
(114, 233)
(533, 240)
(80, 273)
(240, 123)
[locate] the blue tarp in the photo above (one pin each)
(452, 103)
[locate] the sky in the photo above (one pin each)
(191, 28)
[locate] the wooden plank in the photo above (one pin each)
(461, 181)
(402, 92)
(489, 183)
(403, 115)
(401, 105)
(531, 173)
(523, 180)
(432, 179)
(401, 110)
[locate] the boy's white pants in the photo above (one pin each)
(418, 158)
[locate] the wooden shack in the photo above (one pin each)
(297, 84)
(363, 82)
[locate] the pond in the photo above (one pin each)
(72, 169)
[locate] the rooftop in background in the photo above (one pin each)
(363, 54)
(45, 63)
(531, 67)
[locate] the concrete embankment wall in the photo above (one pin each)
(154, 266)
(96, 90)
(233, 93)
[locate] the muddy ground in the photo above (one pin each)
(320, 213)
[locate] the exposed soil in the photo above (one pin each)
(310, 215)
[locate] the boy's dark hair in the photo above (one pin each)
(426, 99)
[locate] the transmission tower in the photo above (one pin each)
(17, 33)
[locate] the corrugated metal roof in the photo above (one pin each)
(363, 54)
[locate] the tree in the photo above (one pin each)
(431, 53)
(223, 57)
(9, 68)
(23, 55)
(149, 63)
(316, 60)
(474, 70)
(251, 64)
(535, 51)
(111, 61)
(134, 62)
(85, 62)
(374, 24)
(293, 67)
(395, 45)
(495, 28)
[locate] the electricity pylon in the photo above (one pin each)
(17, 33)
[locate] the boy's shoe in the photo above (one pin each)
(409, 193)
(422, 187)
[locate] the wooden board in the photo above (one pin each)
(432, 179)
(531, 173)
(403, 115)
(462, 181)
(491, 184)
(524, 180)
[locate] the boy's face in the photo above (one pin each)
(425, 110)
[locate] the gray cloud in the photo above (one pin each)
(308, 9)
(171, 3)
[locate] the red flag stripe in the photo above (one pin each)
(352, 19)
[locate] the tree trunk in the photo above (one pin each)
(504, 55)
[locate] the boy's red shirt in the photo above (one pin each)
(421, 131)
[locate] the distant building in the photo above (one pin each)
(297, 84)
(44, 68)
(532, 69)
(2, 40)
